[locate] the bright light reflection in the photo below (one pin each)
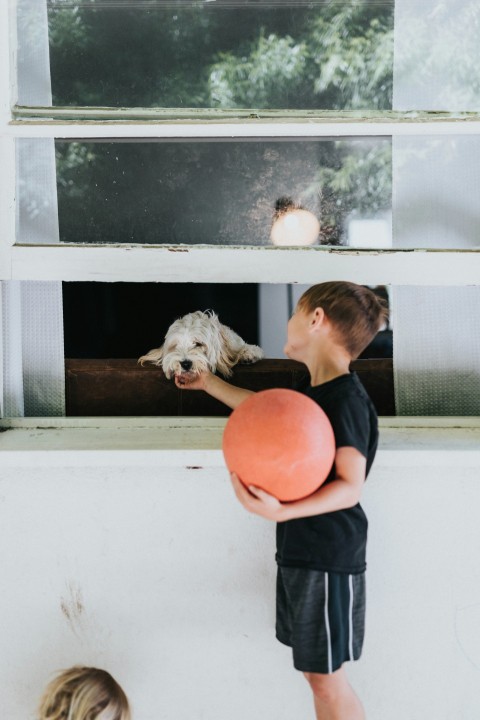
(296, 227)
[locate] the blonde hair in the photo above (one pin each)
(356, 313)
(84, 693)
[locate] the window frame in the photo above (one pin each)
(210, 263)
(180, 263)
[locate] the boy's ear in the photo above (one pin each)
(317, 319)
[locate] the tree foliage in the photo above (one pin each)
(343, 60)
(323, 56)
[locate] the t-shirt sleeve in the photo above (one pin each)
(351, 424)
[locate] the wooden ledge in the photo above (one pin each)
(122, 387)
(194, 444)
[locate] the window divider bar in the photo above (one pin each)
(183, 263)
(258, 129)
(169, 114)
(7, 204)
(8, 81)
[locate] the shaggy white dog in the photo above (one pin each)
(198, 342)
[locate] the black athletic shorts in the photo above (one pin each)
(321, 616)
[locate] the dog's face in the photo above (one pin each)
(192, 345)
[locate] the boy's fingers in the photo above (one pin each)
(240, 489)
(250, 490)
(264, 496)
(236, 482)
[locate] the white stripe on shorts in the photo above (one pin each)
(327, 626)
(350, 618)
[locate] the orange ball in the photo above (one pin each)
(281, 441)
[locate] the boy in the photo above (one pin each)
(321, 540)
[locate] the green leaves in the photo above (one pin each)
(327, 57)
(265, 78)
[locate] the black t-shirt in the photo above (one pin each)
(335, 541)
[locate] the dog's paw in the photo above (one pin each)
(250, 354)
(155, 357)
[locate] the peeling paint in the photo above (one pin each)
(83, 115)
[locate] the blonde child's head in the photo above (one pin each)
(84, 693)
(356, 313)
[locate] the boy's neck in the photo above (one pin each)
(324, 369)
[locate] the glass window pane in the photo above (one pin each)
(437, 55)
(222, 54)
(366, 55)
(436, 187)
(252, 192)
(289, 192)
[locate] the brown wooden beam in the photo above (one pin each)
(119, 387)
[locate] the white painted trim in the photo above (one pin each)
(83, 113)
(182, 263)
(2, 350)
(12, 44)
(7, 61)
(248, 129)
(196, 442)
(159, 423)
(7, 143)
(7, 205)
(7, 158)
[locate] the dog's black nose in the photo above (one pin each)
(186, 364)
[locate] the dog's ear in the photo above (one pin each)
(227, 356)
(155, 356)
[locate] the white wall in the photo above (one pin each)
(161, 577)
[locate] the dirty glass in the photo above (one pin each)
(222, 192)
(235, 192)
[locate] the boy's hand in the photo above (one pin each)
(213, 385)
(192, 382)
(257, 501)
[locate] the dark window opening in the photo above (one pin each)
(126, 320)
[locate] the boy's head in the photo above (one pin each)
(84, 693)
(355, 313)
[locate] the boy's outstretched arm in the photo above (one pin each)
(227, 393)
(341, 493)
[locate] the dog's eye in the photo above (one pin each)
(198, 345)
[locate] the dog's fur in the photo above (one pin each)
(198, 342)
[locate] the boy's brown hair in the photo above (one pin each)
(356, 313)
(84, 693)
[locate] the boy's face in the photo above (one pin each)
(298, 335)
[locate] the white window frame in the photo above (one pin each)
(147, 263)
(208, 263)
(137, 263)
